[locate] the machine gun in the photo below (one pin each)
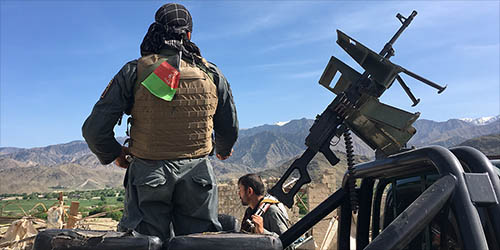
(356, 107)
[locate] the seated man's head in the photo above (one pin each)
(251, 189)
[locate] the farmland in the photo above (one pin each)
(91, 202)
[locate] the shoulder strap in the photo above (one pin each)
(146, 65)
(272, 201)
(205, 68)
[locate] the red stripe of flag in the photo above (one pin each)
(168, 74)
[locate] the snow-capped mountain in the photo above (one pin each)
(281, 123)
(482, 120)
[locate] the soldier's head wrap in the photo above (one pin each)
(172, 22)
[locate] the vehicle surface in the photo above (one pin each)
(440, 199)
(404, 191)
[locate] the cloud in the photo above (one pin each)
(316, 73)
(285, 64)
(360, 17)
(351, 18)
(307, 39)
(479, 49)
(252, 18)
(445, 13)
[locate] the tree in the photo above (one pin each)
(116, 215)
(87, 195)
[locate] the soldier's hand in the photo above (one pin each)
(122, 161)
(259, 224)
(220, 157)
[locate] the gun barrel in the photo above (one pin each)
(386, 51)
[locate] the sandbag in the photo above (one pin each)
(223, 241)
(66, 239)
(55, 216)
(18, 231)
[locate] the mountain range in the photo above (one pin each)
(451, 132)
(482, 120)
(267, 149)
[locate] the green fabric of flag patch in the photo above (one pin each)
(163, 81)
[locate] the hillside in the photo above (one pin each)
(268, 149)
(451, 132)
(316, 167)
(488, 144)
(62, 177)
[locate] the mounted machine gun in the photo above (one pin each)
(356, 107)
(456, 203)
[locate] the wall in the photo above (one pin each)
(317, 193)
(229, 201)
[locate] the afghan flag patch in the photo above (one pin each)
(163, 81)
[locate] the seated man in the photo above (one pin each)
(265, 214)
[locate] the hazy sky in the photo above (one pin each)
(56, 57)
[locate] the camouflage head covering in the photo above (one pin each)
(172, 22)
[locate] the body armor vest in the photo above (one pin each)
(177, 129)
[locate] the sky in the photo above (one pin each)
(56, 57)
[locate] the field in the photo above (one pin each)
(91, 202)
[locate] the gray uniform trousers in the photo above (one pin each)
(161, 192)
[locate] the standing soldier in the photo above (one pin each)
(176, 99)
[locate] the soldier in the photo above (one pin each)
(264, 215)
(176, 99)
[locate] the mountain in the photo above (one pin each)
(451, 132)
(65, 166)
(316, 168)
(268, 149)
(482, 120)
(299, 127)
(268, 146)
(488, 144)
(260, 148)
(71, 152)
(6, 163)
(69, 176)
(9, 150)
(51, 155)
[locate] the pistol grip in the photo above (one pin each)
(329, 155)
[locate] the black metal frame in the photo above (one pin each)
(413, 220)
(449, 189)
(474, 161)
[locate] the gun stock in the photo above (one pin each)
(299, 164)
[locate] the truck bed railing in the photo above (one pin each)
(451, 189)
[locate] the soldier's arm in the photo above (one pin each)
(275, 222)
(116, 99)
(225, 118)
